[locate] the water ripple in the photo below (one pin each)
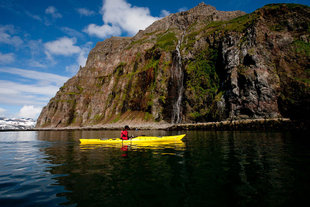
(25, 179)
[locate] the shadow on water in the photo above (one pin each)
(213, 169)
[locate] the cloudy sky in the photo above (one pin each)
(43, 42)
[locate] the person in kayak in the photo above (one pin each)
(124, 133)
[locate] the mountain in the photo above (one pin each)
(16, 124)
(194, 66)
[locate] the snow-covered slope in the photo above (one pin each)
(13, 123)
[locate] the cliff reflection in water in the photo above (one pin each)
(213, 169)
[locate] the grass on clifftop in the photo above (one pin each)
(289, 6)
(167, 41)
(238, 24)
(302, 47)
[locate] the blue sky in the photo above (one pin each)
(43, 42)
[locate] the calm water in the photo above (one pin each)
(211, 169)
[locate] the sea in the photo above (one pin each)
(209, 168)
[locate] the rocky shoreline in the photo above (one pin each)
(231, 125)
(242, 125)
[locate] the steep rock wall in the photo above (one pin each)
(231, 65)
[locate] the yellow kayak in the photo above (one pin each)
(143, 140)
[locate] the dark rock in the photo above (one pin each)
(234, 66)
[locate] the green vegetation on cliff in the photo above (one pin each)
(167, 41)
(202, 84)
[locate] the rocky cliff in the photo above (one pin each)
(194, 66)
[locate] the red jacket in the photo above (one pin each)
(124, 135)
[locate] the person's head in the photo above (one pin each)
(126, 127)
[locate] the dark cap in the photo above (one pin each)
(126, 127)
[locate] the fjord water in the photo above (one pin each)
(51, 168)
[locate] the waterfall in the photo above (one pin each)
(178, 78)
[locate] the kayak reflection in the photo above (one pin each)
(125, 148)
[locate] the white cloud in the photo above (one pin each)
(43, 86)
(72, 32)
(36, 64)
(2, 112)
(73, 69)
(13, 93)
(118, 15)
(81, 59)
(182, 9)
(36, 48)
(63, 46)
(164, 13)
(33, 16)
(29, 111)
(6, 58)
(85, 12)
(22, 99)
(7, 28)
(9, 87)
(35, 75)
(53, 11)
(102, 31)
(132, 18)
(7, 36)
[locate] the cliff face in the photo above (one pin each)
(198, 65)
